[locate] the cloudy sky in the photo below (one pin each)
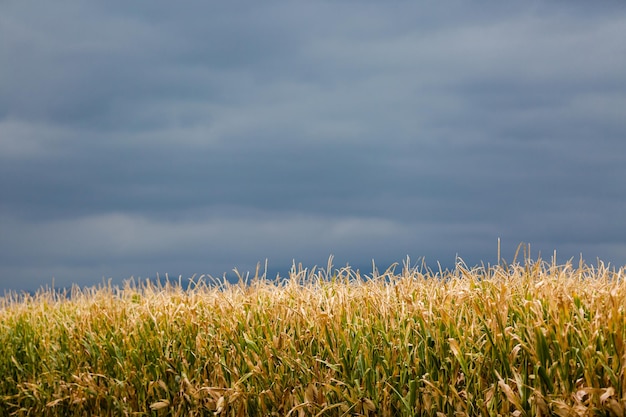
(139, 138)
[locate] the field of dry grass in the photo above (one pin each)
(526, 339)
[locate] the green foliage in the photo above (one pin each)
(524, 340)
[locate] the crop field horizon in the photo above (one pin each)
(529, 338)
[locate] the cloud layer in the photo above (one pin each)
(197, 139)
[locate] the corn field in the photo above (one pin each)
(525, 339)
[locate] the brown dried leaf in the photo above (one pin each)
(160, 405)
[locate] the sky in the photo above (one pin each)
(145, 138)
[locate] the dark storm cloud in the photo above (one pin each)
(136, 140)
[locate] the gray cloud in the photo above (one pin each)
(197, 139)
